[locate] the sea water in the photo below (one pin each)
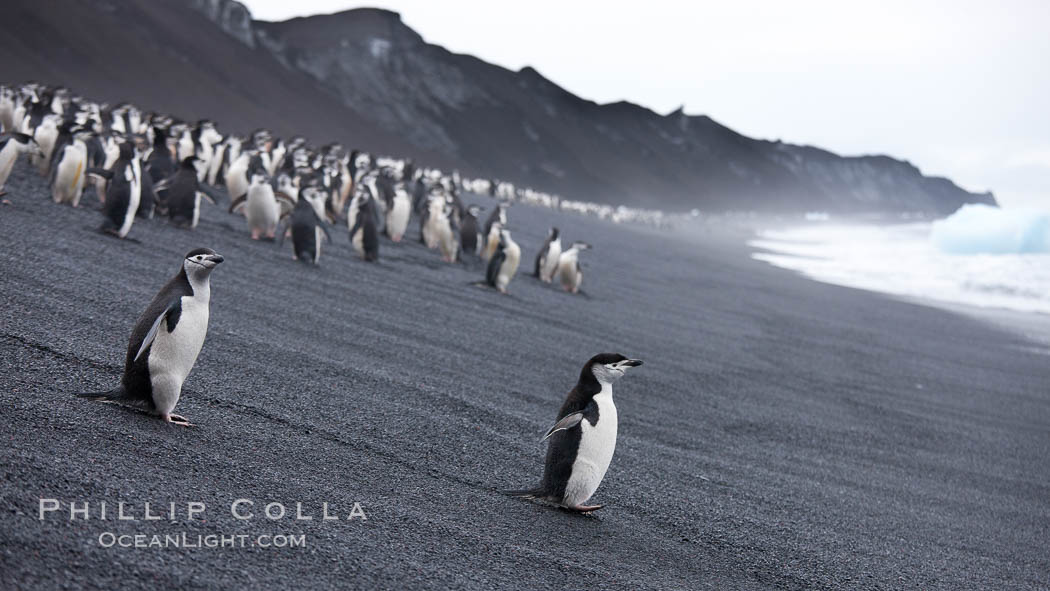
(980, 256)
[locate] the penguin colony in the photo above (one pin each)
(142, 165)
(145, 165)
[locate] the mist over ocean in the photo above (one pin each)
(980, 256)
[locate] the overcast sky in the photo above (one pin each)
(959, 88)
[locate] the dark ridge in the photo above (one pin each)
(366, 79)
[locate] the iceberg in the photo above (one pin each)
(983, 229)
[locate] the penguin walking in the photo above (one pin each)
(7, 109)
(70, 164)
(160, 163)
(547, 257)
(504, 262)
(492, 236)
(11, 145)
(123, 193)
(434, 219)
(167, 339)
(364, 234)
(306, 226)
(397, 213)
(583, 437)
(183, 192)
(46, 134)
(468, 230)
(569, 271)
(447, 234)
(261, 208)
(237, 180)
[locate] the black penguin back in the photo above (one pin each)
(304, 231)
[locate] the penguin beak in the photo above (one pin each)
(215, 259)
(632, 362)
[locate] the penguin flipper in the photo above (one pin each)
(101, 172)
(492, 272)
(285, 197)
(173, 309)
(567, 422)
(238, 202)
(357, 224)
(214, 195)
(281, 231)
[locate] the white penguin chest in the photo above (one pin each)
(550, 261)
(597, 444)
(262, 208)
(173, 354)
(398, 217)
(512, 259)
(7, 159)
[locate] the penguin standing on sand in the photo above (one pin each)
(11, 145)
(69, 166)
(364, 234)
(447, 234)
(468, 230)
(167, 339)
(123, 193)
(547, 257)
(306, 226)
(569, 271)
(237, 179)
(491, 236)
(160, 163)
(583, 438)
(183, 192)
(398, 211)
(261, 208)
(504, 262)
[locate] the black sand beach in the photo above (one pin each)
(782, 434)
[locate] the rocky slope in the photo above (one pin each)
(371, 81)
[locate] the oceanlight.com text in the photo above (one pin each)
(208, 541)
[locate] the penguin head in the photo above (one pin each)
(609, 367)
(474, 210)
(82, 133)
(313, 195)
(208, 132)
(200, 261)
(554, 233)
(580, 245)
(127, 151)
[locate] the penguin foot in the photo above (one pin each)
(585, 508)
(178, 420)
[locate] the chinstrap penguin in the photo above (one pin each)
(504, 262)
(583, 438)
(569, 271)
(167, 339)
(11, 145)
(547, 257)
